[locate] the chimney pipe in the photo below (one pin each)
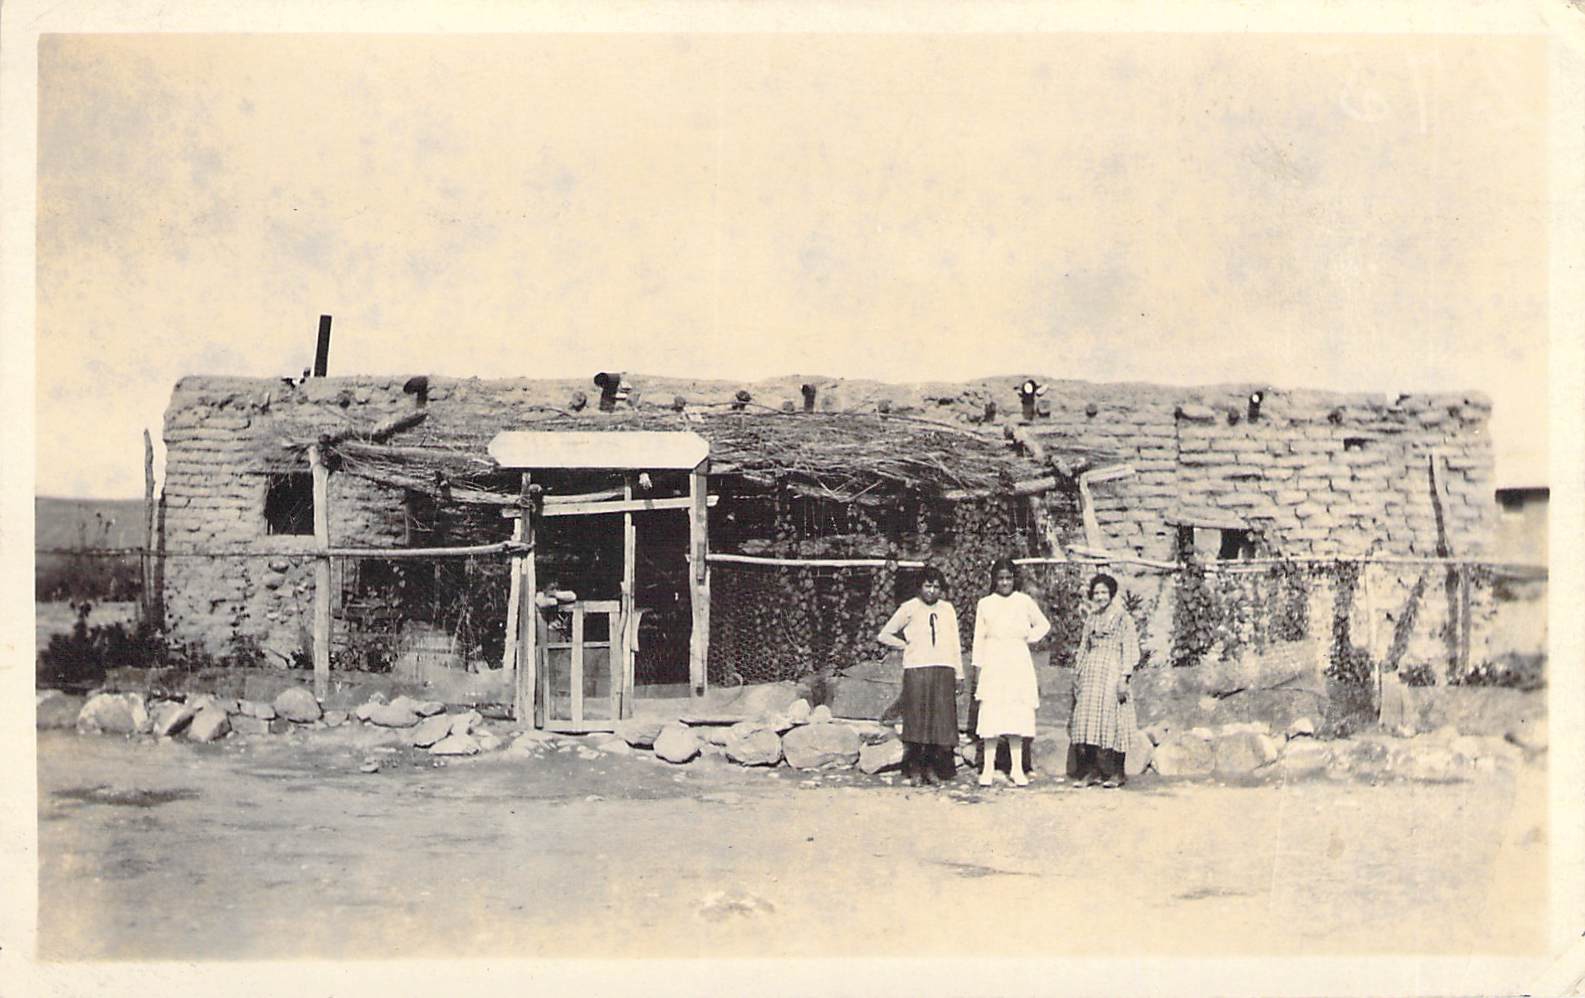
(322, 351)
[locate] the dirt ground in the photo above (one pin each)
(281, 848)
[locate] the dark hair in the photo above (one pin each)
(932, 574)
(1105, 580)
(1004, 563)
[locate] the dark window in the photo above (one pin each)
(289, 503)
(1354, 443)
(1229, 544)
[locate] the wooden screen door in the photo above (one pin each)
(582, 682)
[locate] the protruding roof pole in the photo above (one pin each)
(322, 351)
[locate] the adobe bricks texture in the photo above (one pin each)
(1315, 474)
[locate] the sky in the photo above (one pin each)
(1333, 211)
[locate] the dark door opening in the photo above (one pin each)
(661, 595)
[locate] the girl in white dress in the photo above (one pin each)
(1006, 623)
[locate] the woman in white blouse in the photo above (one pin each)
(1006, 623)
(925, 629)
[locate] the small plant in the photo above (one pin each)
(1417, 674)
(1194, 616)
(81, 658)
(1513, 670)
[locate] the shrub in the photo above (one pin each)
(1514, 670)
(81, 658)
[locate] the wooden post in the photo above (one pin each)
(575, 670)
(628, 625)
(150, 602)
(523, 703)
(699, 577)
(513, 597)
(321, 572)
(1370, 633)
(1465, 624)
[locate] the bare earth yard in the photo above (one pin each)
(281, 847)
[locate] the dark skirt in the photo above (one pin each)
(930, 705)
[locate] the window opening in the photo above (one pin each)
(289, 504)
(1229, 544)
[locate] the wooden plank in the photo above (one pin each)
(526, 705)
(468, 551)
(1465, 624)
(751, 559)
(513, 597)
(321, 477)
(620, 506)
(622, 664)
(1367, 595)
(575, 682)
(699, 577)
(150, 602)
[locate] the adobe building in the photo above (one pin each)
(1138, 476)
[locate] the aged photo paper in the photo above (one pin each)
(706, 367)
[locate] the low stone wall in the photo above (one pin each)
(775, 731)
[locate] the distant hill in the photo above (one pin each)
(95, 523)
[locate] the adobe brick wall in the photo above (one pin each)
(1291, 474)
(1287, 474)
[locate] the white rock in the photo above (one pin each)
(1432, 764)
(817, 746)
(243, 724)
(455, 745)
(392, 715)
(676, 743)
(406, 702)
(431, 730)
(799, 712)
(639, 732)
(880, 756)
(429, 708)
(713, 734)
(757, 747)
(255, 709)
(169, 718)
(1184, 754)
(1305, 758)
(297, 704)
(820, 715)
(114, 713)
(464, 724)
(208, 724)
(1140, 751)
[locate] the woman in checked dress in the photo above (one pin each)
(1006, 623)
(1103, 714)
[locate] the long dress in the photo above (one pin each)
(932, 663)
(1108, 651)
(1008, 694)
